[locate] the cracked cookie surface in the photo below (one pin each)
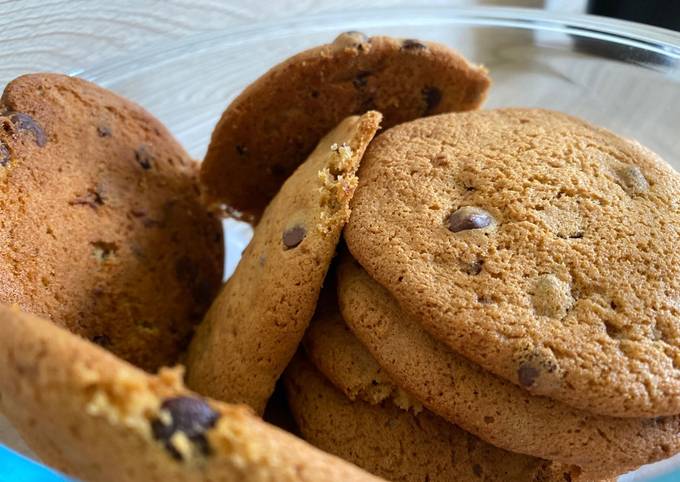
(569, 284)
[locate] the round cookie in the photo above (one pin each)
(275, 123)
(536, 245)
(257, 321)
(338, 355)
(492, 408)
(76, 404)
(102, 228)
(398, 445)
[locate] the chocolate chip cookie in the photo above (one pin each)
(275, 123)
(257, 321)
(339, 356)
(102, 227)
(398, 445)
(491, 408)
(536, 245)
(76, 404)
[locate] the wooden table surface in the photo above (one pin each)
(69, 36)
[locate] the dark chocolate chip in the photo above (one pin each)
(241, 150)
(26, 123)
(101, 340)
(188, 415)
(433, 97)
(566, 476)
(293, 236)
(92, 198)
(314, 94)
(5, 155)
(527, 374)
(103, 131)
(412, 44)
(143, 157)
(361, 79)
(469, 217)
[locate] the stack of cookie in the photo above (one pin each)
(511, 272)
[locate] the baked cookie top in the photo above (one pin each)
(276, 122)
(536, 245)
(102, 227)
(492, 408)
(398, 445)
(75, 404)
(257, 321)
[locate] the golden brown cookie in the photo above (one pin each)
(268, 130)
(492, 408)
(258, 319)
(398, 445)
(95, 417)
(102, 229)
(536, 245)
(340, 357)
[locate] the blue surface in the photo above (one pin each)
(17, 468)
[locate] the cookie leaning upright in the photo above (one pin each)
(270, 128)
(102, 227)
(536, 245)
(257, 321)
(76, 404)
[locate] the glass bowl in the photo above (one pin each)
(620, 75)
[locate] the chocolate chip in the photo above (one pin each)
(293, 236)
(351, 39)
(26, 123)
(412, 44)
(469, 217)
(103, 131)
(566, 476)
(361, 79)
(241, 150)
(101, 340)
(143, 157)
(92, 198)
(188, 415)
(527, 374)
(314, 94)
(5, 155)
(433, 97)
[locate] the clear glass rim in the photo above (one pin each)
(621, 32)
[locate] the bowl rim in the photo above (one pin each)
(622, 32)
